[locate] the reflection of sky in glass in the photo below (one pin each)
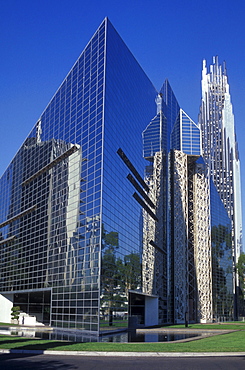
(97, 108)
(186, 135)
(126, 114)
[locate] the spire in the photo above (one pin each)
(158, 101)
(39, 131)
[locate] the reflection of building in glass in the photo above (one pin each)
(44, 186)
(92, 238)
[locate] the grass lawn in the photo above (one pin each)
(234, 325)
(231, 342)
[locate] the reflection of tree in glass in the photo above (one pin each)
(222, 267)
(15, 262)
(221, 240)
(109, 271)
(131, 270)
(110, 239)
(117, 275)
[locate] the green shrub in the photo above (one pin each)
(15, 313)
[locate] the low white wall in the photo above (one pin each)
(6, 303)
(27, 320)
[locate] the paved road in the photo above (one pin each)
(57, 362)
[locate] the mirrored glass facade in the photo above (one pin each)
(222, 260)
(69, 223)
(186, 135)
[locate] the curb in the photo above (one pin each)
(125, 354)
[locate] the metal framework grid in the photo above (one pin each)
(200, 250)
(180, 235)
(154, 262)
(192, 240)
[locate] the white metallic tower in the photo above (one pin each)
(219, 145)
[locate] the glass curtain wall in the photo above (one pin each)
(222, 261)
(54, 185)
(129, 105)
(53, 226)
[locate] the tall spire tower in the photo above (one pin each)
(219, 145)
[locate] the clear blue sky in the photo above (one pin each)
(41, 39)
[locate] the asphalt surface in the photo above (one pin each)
(73, 362)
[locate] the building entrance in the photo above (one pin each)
(143, 309)
(35, 303)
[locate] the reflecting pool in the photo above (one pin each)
(122, 337)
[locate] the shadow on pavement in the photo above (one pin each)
(24, 361)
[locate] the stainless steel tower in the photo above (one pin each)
(219, 145)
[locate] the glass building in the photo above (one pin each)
(71, 230)
(186, 135)
(222, 266)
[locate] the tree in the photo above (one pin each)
(241, 275)
(15, 313)
(241, 270)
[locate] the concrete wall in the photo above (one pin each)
(6, 303)
(25, 319)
